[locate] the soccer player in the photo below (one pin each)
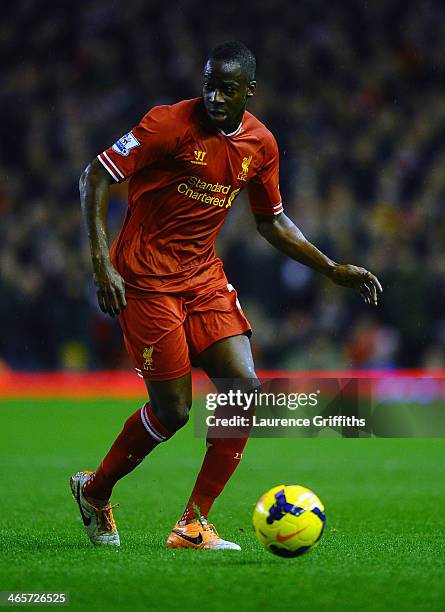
(186, 165)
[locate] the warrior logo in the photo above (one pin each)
(199, 158)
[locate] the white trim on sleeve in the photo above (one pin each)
(105, 154)
(277, 208)
(107, 168)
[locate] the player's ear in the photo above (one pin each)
(251, 88)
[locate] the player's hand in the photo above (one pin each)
(110, 289)
(359, 279)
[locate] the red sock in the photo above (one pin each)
(221, 460)
(142, 432)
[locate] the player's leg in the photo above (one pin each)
(149, 426)
(171, 400)
(215, 329)
(157, 355)
(229, 363)
(229, 358)
(154, 423)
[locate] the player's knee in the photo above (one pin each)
(180, 413)
(244, 374)
(174, 414)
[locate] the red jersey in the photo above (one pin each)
(185, 175)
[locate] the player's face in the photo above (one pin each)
(225, 93)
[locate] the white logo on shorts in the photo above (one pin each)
(232, 288)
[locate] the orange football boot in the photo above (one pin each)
(199, 535)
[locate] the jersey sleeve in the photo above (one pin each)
(153, 139)
(263, 189)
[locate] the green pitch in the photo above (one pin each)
(383, 548)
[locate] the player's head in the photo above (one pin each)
(229, 81)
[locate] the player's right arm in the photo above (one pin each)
(153, 139)
(94, 187)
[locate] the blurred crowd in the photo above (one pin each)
(352, 90)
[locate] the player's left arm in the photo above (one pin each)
(285, 236)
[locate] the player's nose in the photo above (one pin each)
(215, 97)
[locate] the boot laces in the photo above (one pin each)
(207, 526)
(105, 518)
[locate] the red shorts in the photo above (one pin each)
(163, 333)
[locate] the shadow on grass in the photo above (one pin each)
(154, 550)
(15, 543)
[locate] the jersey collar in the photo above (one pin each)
(234, 133)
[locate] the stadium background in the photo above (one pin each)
(354, 95)
(353, 91)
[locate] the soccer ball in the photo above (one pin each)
(289, 520)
